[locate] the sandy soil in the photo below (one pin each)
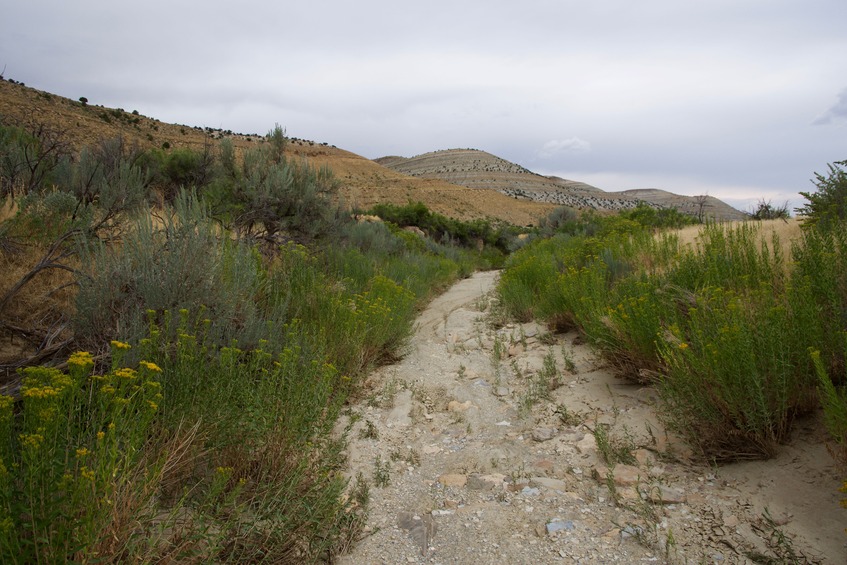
(468, 465)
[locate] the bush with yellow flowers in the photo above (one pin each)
(69, 455)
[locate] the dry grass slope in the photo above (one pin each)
(363, 182)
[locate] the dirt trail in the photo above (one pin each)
(469, 463)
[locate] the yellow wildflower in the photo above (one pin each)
(150, 366)
(101, 435)
(82, 452)
(120, 345)
(86, 473)
(683, 345)
(39, 392)
(153, 406)
(31, 440)
(125, 373)
(81, 359)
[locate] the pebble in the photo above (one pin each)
(559, 525)
(453, 480)
(545, 482)
(543, 434)
(530, 491)
(661, 494)
(627, 475)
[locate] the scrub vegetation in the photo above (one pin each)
(738, 338)
(186, 325)
(190, 325)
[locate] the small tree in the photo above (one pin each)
(701, 202)
(83, 100)
(828, 204)
(767, 211)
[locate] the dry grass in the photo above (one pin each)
(787, 231)
(363, 182)
(34, 318)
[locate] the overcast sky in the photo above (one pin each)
(740, 99)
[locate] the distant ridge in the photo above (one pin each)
(481, 170)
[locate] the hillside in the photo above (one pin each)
(363, 182)
(480, 170)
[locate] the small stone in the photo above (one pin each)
(530, 491)
(545, 482)
(503, 423)
(543, 434)
(600, 473)
(456, 406)
(644, 457)
(475, 482)
(515, 350)
(660, 494)
(626, 475)
(631, 532)
(731, 521)
(501, 391)
(629, 494)
(696, 498)
(587, 445)
(543, 465)
(431, 449)
(453, 480)
(560, 525)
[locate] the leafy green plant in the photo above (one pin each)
(75, 457)
(834, 402)
(180, 263)
(829, 202)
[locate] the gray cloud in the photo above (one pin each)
(688, 96)
(837, 112)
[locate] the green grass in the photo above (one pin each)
(722, 329)
(217, 445)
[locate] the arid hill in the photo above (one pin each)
(363, 182)
(481, 170)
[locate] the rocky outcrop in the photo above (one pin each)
(477, 169)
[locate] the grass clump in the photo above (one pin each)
(722, 329)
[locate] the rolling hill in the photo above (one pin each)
(363, 182)
(480, 170)
(461, 183)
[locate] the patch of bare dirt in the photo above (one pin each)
(476, 452)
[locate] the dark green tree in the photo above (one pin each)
(828, 204)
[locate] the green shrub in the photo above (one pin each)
(74, 458)
(829, 202)
(733, 384)
(819, 292)
(658, 218)
(181, 263)
(834, 401)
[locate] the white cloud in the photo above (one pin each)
(556, 147)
